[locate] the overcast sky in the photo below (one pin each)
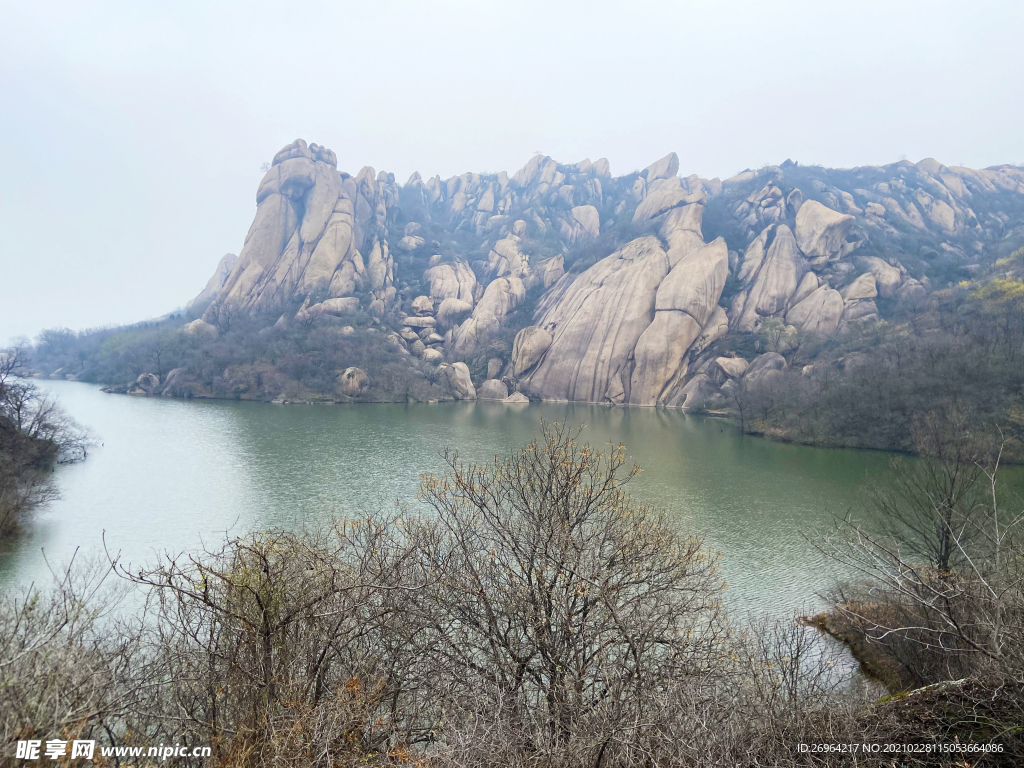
(132, 134)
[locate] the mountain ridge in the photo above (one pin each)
(631, 277)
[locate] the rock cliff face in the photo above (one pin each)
(215, 284)
(622, 330)
(572, 284)
(312, 227)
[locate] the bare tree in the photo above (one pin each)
(930, 504)
(741, 398)
(530, 614)
(271, 650)
(557, 604)
(943, 573)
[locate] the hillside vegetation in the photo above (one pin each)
(963, 345)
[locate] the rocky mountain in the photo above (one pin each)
(215, 284)
(564, 282)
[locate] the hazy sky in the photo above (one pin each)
(132, 134)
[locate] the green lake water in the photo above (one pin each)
(173, 475)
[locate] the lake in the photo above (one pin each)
(174, 475)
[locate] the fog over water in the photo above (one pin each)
(133, 134)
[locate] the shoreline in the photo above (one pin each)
(325, 400)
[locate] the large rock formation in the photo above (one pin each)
(214, 284)
(775, 278)
(460, 380)
(499, 299)
(821, 232)
(819, 313)
(352, 381)
(595, 324)
(621, 331)
(503, 272)
(528, 348)
(586, 223)
(312, 227)
(492, 389)
(683, 305)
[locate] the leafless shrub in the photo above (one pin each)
(557, 607)
(65, 659)
(271, 650)
(942, 592)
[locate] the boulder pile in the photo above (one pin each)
(420, 331)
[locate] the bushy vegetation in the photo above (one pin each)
(250, 358)
(34, 436)
(533, 614)
(864, 388)
(939, 598)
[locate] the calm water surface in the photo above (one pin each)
(173, 475)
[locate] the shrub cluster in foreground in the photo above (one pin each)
(533, 615)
